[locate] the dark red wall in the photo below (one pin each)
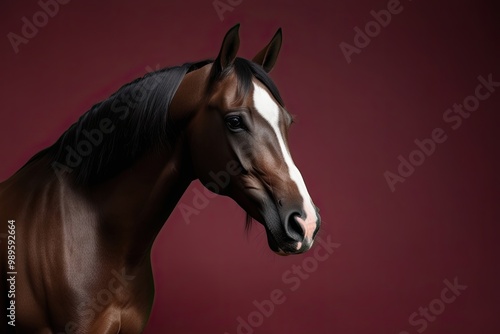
(353, 121)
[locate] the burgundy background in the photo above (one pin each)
(353, 122)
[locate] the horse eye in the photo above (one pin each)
(234, 123)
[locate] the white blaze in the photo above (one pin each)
(270, 111)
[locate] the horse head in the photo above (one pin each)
(237, 131)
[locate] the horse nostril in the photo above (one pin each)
(293, 227)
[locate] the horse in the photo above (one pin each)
(81, 216)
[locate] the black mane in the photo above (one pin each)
(135, 120)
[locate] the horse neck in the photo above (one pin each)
(135, 204)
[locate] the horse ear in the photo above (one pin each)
(267, 56)
(229, 48)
